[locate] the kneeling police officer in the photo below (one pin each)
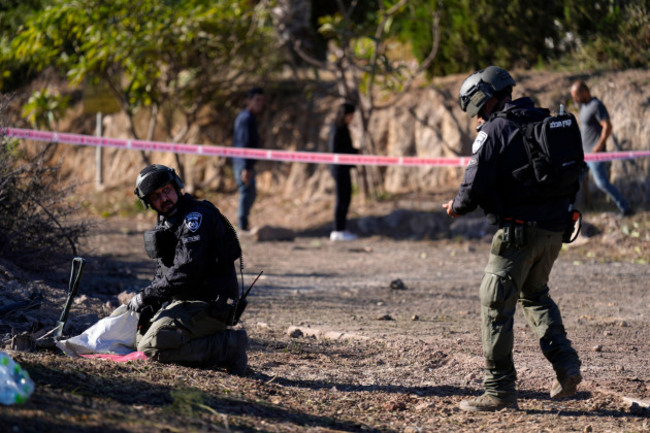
(520, 263)
(186, 310)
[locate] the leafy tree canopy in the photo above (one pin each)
(149, 51)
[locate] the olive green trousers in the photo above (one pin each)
(521, 275)
(184, 331)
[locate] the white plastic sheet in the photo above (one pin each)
(114, 334)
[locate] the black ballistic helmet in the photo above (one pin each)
(479, 87)
(153, 177)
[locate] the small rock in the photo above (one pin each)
(415, 318)
(597, 348)
(23, 342)
(397, 285)
(295, 332)
(393, 406)
(385, 317)
(268, 233)
(125, 297)
(80, 299)
(424, 406)
(607, 333)
(412, 429)
(588, 429)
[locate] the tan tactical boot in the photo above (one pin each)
(566, 386)
(488, 403)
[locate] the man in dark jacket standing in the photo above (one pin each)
(187, 307)
(339, 141)
(246, 135)
(524, 247)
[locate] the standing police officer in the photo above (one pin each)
(187, 307)
(519, 266)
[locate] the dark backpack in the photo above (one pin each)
(556, 161)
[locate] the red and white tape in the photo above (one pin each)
(272, 155)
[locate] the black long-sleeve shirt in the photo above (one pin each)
(340, 141)
(196, 267)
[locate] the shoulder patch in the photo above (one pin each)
(478, 142)
(193, 221)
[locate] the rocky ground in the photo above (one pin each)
(333, 347)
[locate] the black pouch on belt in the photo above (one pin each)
(222, 311)
(508, 235)
(514, 232)
(159, 243)
(520, 233)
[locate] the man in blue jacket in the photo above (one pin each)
(246, 135)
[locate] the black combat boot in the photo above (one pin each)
(236, 359)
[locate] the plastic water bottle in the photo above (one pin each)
(15, 384)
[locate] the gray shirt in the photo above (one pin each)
(591, 114)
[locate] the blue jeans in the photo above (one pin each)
(247, 194)
(601, 177)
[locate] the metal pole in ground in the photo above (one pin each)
(99, 179)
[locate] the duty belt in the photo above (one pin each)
(514, 232)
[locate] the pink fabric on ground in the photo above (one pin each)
(133, 356)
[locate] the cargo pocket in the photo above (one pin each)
(169, 338)
(498, 301)
(498, 291)
(499, 245)
(203, 323)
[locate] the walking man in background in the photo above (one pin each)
(595, 128)
(525, 246)
(246, 134)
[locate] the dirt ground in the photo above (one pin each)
(334, 348)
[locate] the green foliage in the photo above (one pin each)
(363, 46)
(621, 39)
(14, 72)
(44, 109)
(149, 52)
(188, 402)
(475, 33)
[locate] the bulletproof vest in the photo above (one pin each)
(160, 243)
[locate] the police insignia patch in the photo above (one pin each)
(193, 221)
(480, 139)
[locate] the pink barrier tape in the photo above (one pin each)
(274, 155)
(133, 356)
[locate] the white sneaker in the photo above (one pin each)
(342, 236)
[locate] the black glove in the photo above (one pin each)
(136, 303)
